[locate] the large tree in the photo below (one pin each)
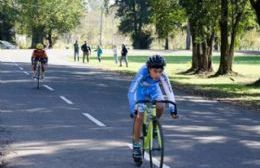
(256, 6)
(42, 18)
(232, 15)
(168, 16)
(62, 21)
(7, 20)
(134, 16)
(202, 18)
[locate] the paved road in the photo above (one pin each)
(80, 119)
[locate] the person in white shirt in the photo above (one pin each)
(115, 54)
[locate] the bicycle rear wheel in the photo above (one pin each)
(38, 76)
(156, 147)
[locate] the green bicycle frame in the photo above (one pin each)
(150, 118)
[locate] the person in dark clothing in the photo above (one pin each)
(86, 51)
(76, 50)
(124, 52)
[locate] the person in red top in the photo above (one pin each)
(39, 54)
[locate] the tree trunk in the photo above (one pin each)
(49, 38)
(227, 51)
(201, 54)
(135, 34)
(101, 27)
(195, 50)
(216, 44)
(205, 56)
(256, 6)
(210, 50)
(203, 59)
(166, 46)
(225, 64)
(195, 56)
(188, 37)
(37, 36)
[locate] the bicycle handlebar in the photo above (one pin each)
(156, 101)
(160, 101)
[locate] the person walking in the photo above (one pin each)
(124, 52)
(76, 51)
(115, 54)
(99, 53)
(86, 51)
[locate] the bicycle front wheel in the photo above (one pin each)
(156, 146)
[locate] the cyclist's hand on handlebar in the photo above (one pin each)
(132, 115)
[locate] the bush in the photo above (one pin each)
(142, 40)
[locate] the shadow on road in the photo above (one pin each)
(46, 131)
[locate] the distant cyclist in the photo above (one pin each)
(145, 86)
(39, 54)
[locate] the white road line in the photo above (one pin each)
(21, 68)
(66, 100)
(99, 123)
(16, 64)
(48, 87)
(147, 157)
(27, 73)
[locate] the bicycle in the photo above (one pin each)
(38, 72)
(152, 134)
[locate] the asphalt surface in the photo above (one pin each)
(79, 118)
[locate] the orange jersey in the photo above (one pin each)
(39, 54)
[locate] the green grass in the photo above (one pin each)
(228, 88)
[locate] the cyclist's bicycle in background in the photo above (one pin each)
(39, 60)
(152, 134)
(38, 72)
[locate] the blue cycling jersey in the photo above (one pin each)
(144, 87)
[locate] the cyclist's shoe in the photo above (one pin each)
(137, 154)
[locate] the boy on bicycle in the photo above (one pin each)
(39, 54)
(145, 86)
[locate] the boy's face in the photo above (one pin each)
(155, 73)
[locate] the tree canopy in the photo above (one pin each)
(42, 18)
(7, 20)
(135, 15)
(168, 17)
